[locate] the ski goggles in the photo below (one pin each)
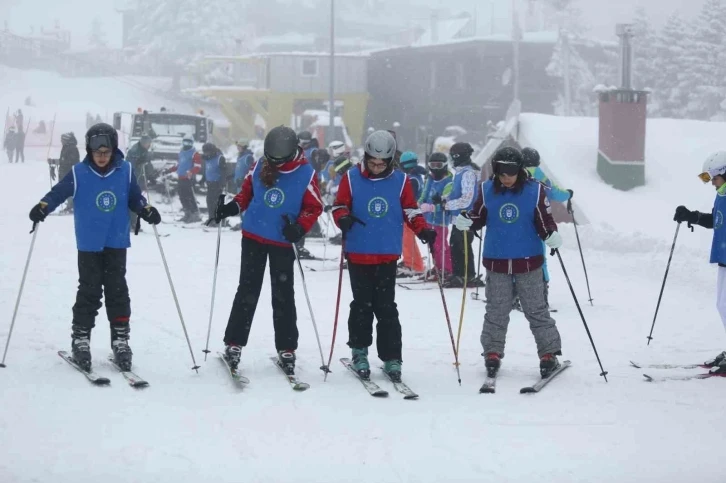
(509, 169)
(705, 177)
(100, 141)
(282, 160)
(342, 166)
(437, 165)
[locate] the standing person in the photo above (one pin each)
(282, 185)
(9, 143)
(245, 160)
(187, 168)
(69, 157)
(460, 199)
(714, 170)
(103, 186)
(341, 166)
(20, 145)
(436, 188)
(140, 160)
(215, 168)
(411, 263)
(374, 202)
(517, 216)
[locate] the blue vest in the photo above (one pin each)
(211, 169)
(101, 207)
(244, 162)
(433, 187)
(378, 204)
(264, 215)
(718, 247)
(186, 162)
(456, 188)
(416, 184)
(510, 226)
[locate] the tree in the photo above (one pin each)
(97, 36)
(671, 61)
(645, 70)
(575, 75)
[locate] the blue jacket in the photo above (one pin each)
(553, 192)
(245, 159)
(186, 162)
(443, 188)
(457, 190)
(101, 203)
(718, 246)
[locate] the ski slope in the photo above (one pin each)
(189, 427)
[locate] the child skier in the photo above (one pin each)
(282, 185)
(214, 167)
(102, 186)
(411, 263)
(437, 187)
(374, 202)
(714, 170)
(187, 168)
(517, 216)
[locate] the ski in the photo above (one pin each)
(706, 375)
(235, 373)
(372, 388)
(489, 386)
(295, 383)
(329, 269)
(133, 379)
(401, 387)
(418, 286)
(668, 366)
(537, 387)
(90, 375)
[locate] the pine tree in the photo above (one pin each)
(581, 79)
(645, 59)
(673, 65)
(97, 36)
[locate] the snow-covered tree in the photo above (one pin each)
(645, 70)
(567, 61)
(97, 36)
(672, 57)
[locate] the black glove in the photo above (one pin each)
(427, 236)
(684, 214)
(328, 208)
(293, 232)
(39, 212)
(571, 194)
(224, 211)
(150, 215)
(345, 223)
(436, 199)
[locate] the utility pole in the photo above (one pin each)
(331, 98)
(516, 37)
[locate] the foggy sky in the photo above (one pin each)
(599, 15)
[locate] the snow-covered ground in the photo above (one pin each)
(188, 427)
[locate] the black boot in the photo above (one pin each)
(716, 361)
(548, 363)
(233, 354)
(492, 361)
(287, 361)
(120, 345)
(81, 346)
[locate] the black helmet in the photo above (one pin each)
(304, 137)
(530, 157)
(461, 153)
(438, 162)
(209, 149)
(99, 136)
(68, 139)
(281, 145)
(508, 161)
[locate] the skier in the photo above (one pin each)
(341, 166)
(101, 182)
(714, 170)
(461, 198)
(531, 160)
(187, 168)
(282, 184)
(245, 160)
(9, 143)
(436, 188)
(139, 158)
(374, 202)
(69, 157)
(411, 263)
(215, 168)
(312, 153)
(20, 145)
(520, 219)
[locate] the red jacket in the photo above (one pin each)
(411, 213)
(312, 205)
(543, 221)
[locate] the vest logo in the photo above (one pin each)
(106, 201)
(509, 213)
(378, 207)
(718, 220)
(274, 197)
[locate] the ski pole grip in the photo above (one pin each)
(138, 225)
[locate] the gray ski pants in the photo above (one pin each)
(500, 292)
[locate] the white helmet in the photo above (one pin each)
(381, 145)
(714, 165)
(336, 148)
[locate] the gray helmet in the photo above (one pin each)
(381, 145)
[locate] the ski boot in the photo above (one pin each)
(233, 354)
(360, 363)
(304, 254)
(548, 363)
(516, 305)
(81, 347)
(287, 361)
(719, 370)
(183, 219)
(453, 282)
(475, 282)
(716, 361)
(120, 345)
(393, 369)
(492, 362)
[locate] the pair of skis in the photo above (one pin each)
(702, 375)
(295, 383)
(132, 378)
(374, 389)
(490, 383)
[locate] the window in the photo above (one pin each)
(310, 67)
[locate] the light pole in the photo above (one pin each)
(331, 98)
(515, 49)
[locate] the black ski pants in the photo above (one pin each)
(186, 196)
(102, 274)
(214, 189)
(374, 293)
(282, 281)
(457, 254)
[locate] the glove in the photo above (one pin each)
(554, 241)
(436, 199)
(328, 208)
(684, 214)
(427, 208)
(224, 211)
(571, 194)
(463, 223)
(428, 236)
(39, 212)
(293, 232)
(150, 215)
(345, 223)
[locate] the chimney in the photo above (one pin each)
(434, 26)
(625, 33)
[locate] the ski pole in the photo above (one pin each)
(443, 244)
(475, 295)
(34, 231)
(463, 293)
(579, 246)
(439, 280)
(604, 373)
(50, 143)
(220, 203)
(337, 307)
(662, 287)
(176, 299)
(323, 368)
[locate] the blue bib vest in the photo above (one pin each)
(416, 184)
(186, 162)
(101, 207)
(378, 204)
(264, 215)
(439, 214)
(211, 169)
(456, 188)
(718, 246)
(510, 231)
